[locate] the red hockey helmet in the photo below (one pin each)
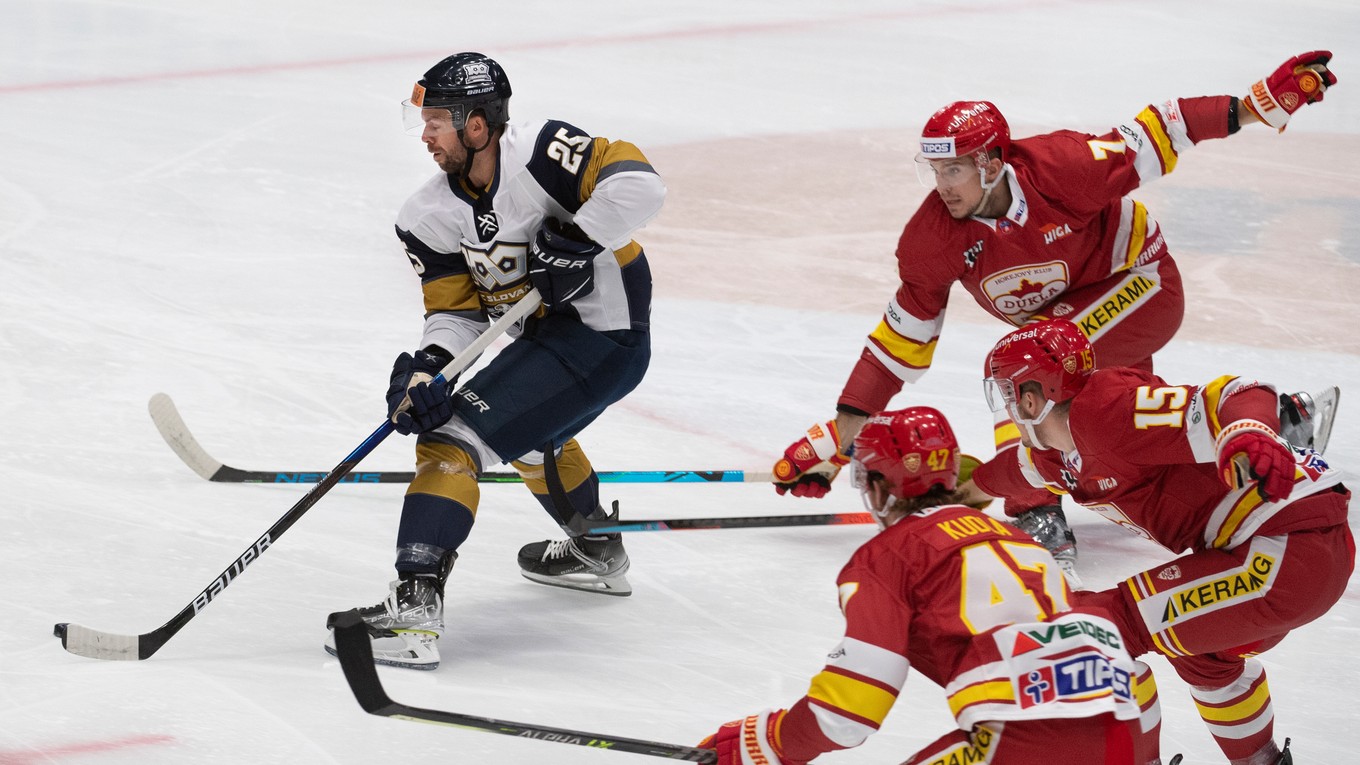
(1055, 354)
(913, 448)
(964, 127)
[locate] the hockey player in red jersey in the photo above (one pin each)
(1199, 469)
(977, 607)
(1043, 227)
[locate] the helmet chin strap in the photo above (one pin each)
(987, 187)
(1028, 425)
(472, 151)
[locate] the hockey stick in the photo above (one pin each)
(176, 434)
(355, 651)
(749, 522)
(95, 644)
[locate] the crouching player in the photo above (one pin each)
(973, 604)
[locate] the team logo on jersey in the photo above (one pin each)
(1022, 291)
(1054, 231)
(1169, 573)
(488, 225)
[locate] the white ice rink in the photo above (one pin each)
(198, 198)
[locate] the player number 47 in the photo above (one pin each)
(568, 149)
(1160, 407)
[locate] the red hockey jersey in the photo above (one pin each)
(976, 606)
(1146, 459)
(1070, 225)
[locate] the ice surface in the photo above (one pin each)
(197, 198)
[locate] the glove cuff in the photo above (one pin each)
(826, 442)
(1262, 103)
(1240, 427)
(759, 739)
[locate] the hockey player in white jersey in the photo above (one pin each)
(535, 205)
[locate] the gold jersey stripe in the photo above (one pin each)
(1137, 234)
(451, 293)
(852, 695)
(994, 691)
(1242, 710)
(1213, 397)
(628, 253)
(907, 351)
(1249, 501)
(606, 153)
(1151, 120)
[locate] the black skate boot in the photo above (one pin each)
(1048, 525)
(406, 626)
(589, 562)
(1285, 757)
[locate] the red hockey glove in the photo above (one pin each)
(819, 449)
(752, 741)
(1301, 80)
(1249, 451)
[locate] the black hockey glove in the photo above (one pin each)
(562, 263)
(415, 401)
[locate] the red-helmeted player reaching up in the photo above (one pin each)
(1043, 227)
(1202, 470)
(975, 606)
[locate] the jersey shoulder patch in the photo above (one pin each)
(561, 155)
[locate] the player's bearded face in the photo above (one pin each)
(442, 141)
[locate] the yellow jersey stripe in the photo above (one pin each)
(904, 349)
(1250, 500)
(996, 690)
(852, 695)
(1152, 123)
(1137, 234)
(1242, 710)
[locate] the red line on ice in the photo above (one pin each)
(49, 754)
(579, 42)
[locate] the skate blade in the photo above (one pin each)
(409, 649)
(1325, 403)
(615, 584)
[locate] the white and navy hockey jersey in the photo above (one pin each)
(470, 245)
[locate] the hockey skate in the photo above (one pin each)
(1306, 419)
(406, 626)
(1048, 525)
(589, 562)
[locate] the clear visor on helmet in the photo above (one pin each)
(1000, 393)
(862, 479)
(421, 122)
(947, 173)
